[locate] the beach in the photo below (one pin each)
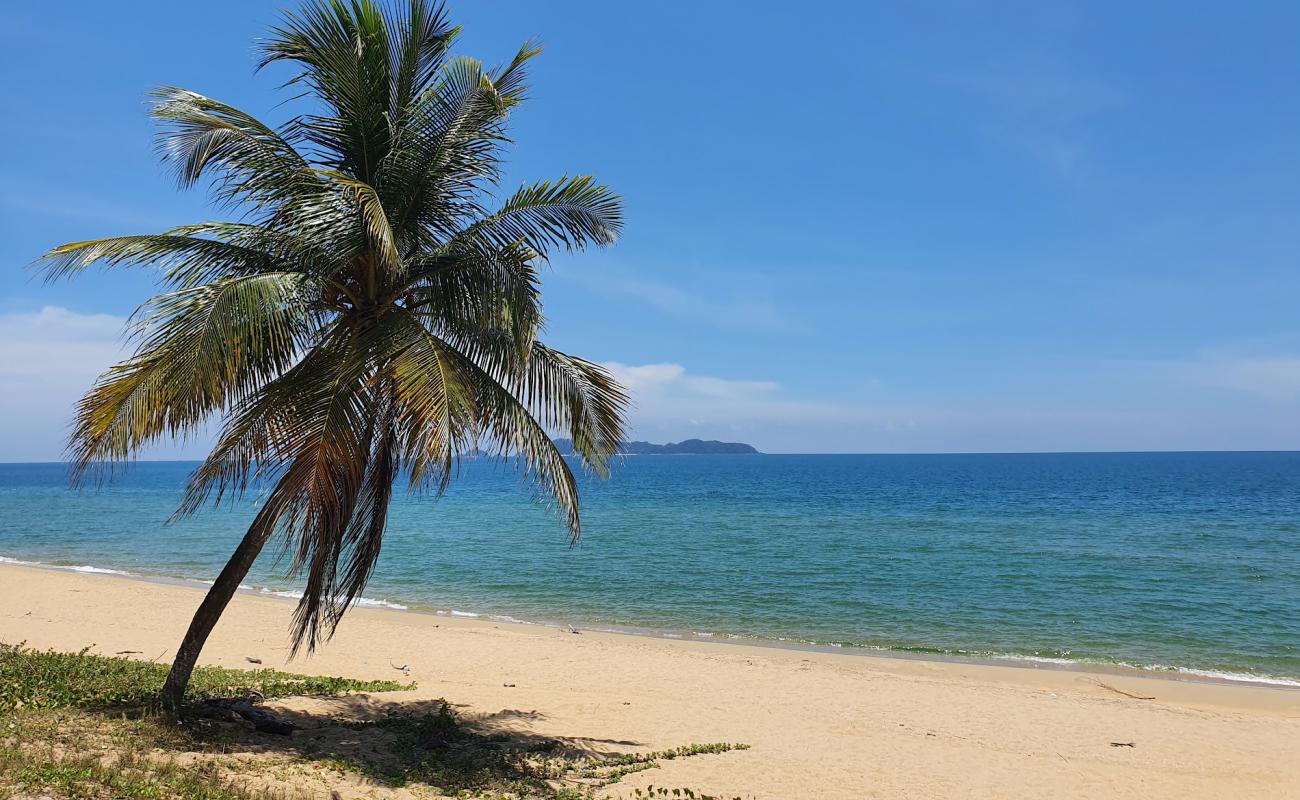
(818, 724)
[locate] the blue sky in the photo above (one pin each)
(852, 227)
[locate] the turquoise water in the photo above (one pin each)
(1188, 561)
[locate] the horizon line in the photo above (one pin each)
(128, 464)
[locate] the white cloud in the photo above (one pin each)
(57, 345)
(670, 403)
(672, 380)
(1151, 406)
(1264, 376)
(52, 357)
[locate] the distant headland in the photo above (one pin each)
(693, 447)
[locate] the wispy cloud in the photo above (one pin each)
(735, 311)
(1273, 375)
(34, 199)
(1046, 97)
(1039, 109)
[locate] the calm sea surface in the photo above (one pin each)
(1189, 560)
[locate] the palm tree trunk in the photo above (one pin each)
(205, 619)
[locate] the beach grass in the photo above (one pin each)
(82, 725)
(49, 679)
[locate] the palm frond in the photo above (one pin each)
(183, 259)
(342, 49)
(449, 151)
(419, 40)
(466, 292)
(499, 419)
(566, 213)
(370, 210)
(250, 161)
(506, 424)
(579, 397)
(202, 350)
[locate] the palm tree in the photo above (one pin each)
(366, 319)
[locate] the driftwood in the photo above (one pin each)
(243, 711)
(1126, 694)
(1123, 744)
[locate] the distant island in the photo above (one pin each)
(693, 447)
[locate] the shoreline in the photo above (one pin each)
(833, 725)
(1012, 661)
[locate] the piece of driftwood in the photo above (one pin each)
(1123, 744)
(242, 710)
(1126, 694)
(252, 660)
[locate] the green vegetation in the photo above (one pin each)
(45, 680)
(127, 776)
(77, 725)
(374, 311)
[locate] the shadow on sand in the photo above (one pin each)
(394, 743)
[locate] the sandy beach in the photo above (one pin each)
(819, 724)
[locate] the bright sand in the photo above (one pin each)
(822, 725)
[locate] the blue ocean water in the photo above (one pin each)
(1165, 560)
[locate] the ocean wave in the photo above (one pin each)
(373, 603)
(1236, 677)
(68, 567)
(365, 602)
(96, 570)
(1214, 674)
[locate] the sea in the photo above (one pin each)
(1183, 562)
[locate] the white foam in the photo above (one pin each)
(1236, 677)
(96, 570)
(1220, 675)
(289, 593)
(1036, 659)
(83, 568)
(373, 603)
(369, 602)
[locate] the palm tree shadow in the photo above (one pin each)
(433, 742)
